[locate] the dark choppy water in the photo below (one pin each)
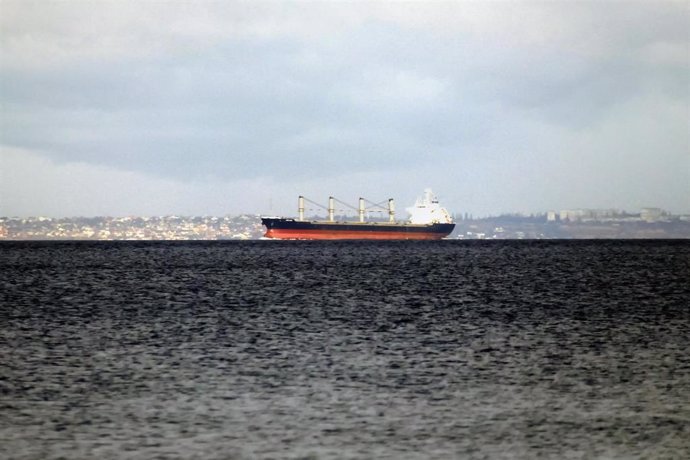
(345, 350)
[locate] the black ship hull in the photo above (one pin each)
(280, 228)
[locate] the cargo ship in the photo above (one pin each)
(428, 221)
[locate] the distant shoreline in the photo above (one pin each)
(248, 227)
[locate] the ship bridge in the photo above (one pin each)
(427, 210)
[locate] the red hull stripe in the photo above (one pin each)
(299, 234)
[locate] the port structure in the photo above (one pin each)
(362, 208)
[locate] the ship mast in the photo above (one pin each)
(361, 209)
(300, 208)
(331, 209)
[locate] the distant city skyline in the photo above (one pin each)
(205, 108)
(570, 224)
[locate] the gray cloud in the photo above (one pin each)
(499, 108)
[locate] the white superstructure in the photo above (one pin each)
(426, 210)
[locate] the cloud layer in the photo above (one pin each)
(500, 107)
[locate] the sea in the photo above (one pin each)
(345, 350)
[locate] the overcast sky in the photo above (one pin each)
(156, 108)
